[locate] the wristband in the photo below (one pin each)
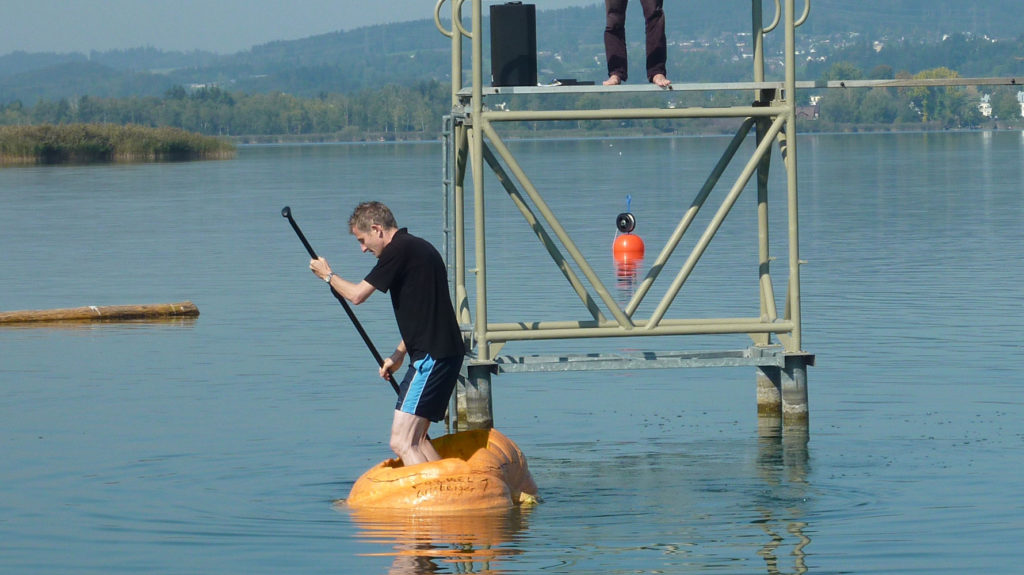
(328, 278)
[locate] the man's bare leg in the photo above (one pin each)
(661, 80)
(409, 439)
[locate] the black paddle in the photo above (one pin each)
(287, 213)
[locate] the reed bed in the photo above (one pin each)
(83, 143)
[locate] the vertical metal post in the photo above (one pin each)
(461, 160)
(795, 343)
(456, 51)
(762, 98)
(766, 291)
(757, 18)
(793, 376)
(477, 161)
(474, 401)
(447, 131)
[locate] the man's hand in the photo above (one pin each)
(320, 267)
(392, 363)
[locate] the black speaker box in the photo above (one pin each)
(513, 44)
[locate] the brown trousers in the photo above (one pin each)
(615, 37)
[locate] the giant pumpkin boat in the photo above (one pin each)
(479, 469)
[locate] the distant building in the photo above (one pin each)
(1020, 100)
(809, 112)
(985, 106)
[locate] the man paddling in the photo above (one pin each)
(412, 270)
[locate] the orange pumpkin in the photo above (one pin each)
(479, 469)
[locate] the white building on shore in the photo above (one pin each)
(985, 106)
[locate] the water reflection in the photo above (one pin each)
(782, 463)
(627, 272)
(768, 552)
(466, 542)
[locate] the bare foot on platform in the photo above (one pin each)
(661, 80)
(613, 80)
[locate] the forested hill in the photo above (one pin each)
(569, 45)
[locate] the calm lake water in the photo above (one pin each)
(218, 445)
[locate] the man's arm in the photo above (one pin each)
(355, 293)
(394, 361)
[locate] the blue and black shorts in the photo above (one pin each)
(427, 386)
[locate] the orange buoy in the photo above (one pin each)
(479, 469)
(628, 247)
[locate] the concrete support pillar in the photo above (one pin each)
(782, 428)
(769, 392)
(793, 379)
(474, 407)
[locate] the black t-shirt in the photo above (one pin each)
(413, 271)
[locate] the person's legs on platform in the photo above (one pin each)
(657, 49)
(615, 41)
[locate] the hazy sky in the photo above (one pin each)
(222, 26)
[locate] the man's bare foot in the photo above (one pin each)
(660, 80)
(613, 80)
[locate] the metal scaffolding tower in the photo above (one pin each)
(472, 140)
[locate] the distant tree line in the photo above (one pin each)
(391, 112)
(944, 107)
(415, 112)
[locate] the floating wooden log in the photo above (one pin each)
(102, 313)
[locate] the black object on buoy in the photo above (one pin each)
(625, 222)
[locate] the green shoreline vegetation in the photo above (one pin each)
(89, 143)
(208, 122)
(401, 113)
